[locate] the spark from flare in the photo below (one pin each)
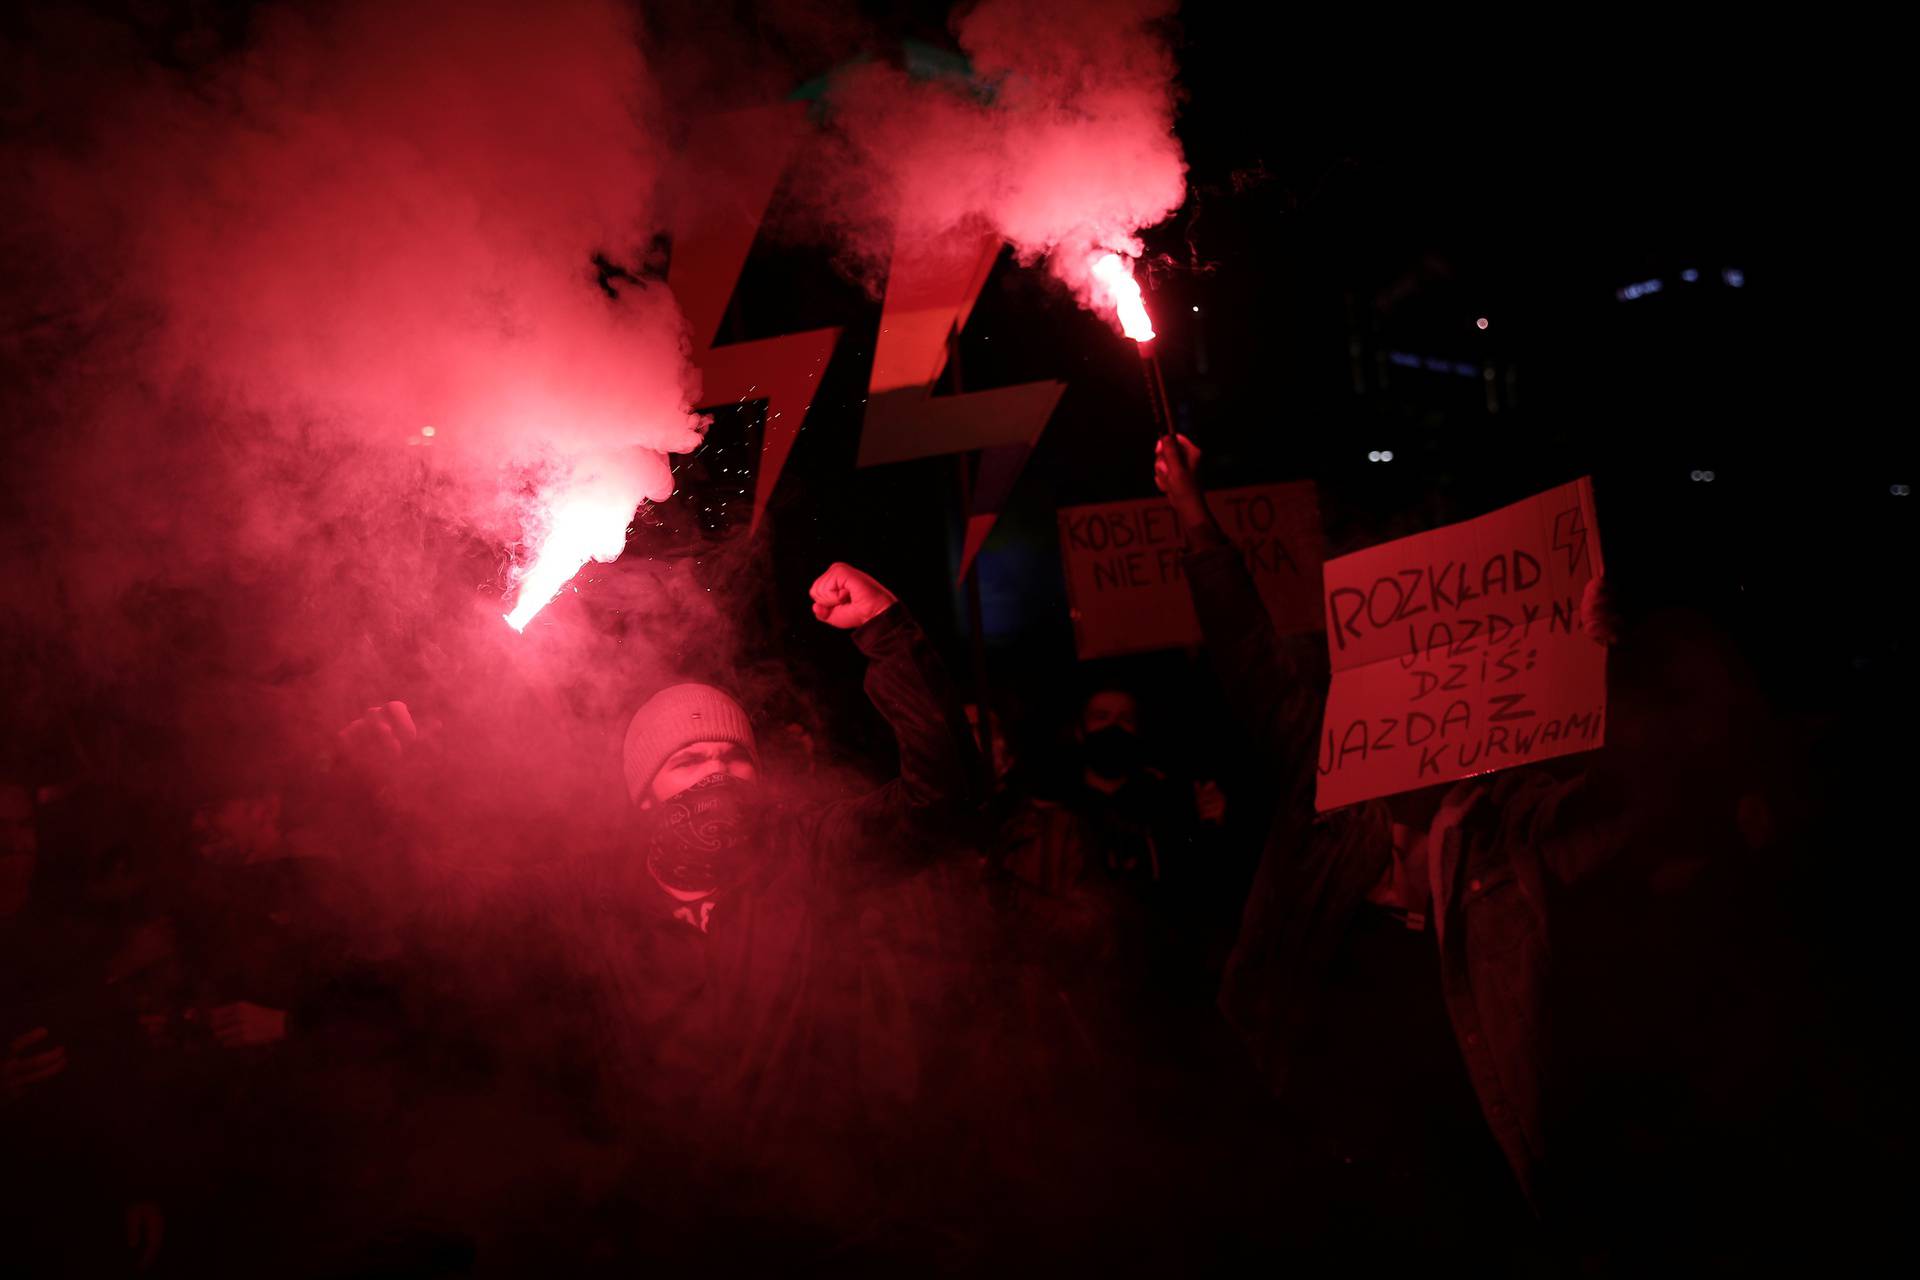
(1115, 275)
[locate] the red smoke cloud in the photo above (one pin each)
(374, 219)
(380, 218)
(250, 272)
(1064, 145)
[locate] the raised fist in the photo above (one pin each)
(376, 745)
(844, 597)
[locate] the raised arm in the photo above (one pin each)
(940, 770)
(1277, 687)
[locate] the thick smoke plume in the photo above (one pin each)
(380, 217)
(1062, 143)
(298, 312)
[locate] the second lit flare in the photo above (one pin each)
(1115, 275)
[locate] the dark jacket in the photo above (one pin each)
(763, 1023)
(1524, 837)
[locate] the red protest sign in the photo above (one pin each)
(1125, 584)
(1459, 652)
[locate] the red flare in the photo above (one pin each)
(1115, 275)
(582, 527)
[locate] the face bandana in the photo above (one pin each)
(706, 837)
(1112, 752)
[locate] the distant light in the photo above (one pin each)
(1707, 476)
(426, 431)
(1901, 490)
(1481, 323)
(1735, 277)
(1694, 475)
(1373, 455)
(1386, 455)
(1196, 311)
(1690, 275)
(1639, 290)
(1404, 359)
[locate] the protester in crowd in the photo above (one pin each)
(1107, 808)
(1122, 860)
(84, 1113)
(740, 1024)
(1391, 974)
(273, 1022)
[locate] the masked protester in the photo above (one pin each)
(1111, 814)
(1113, 872)
(693, 774)
(743, 1048)
(748, 1024)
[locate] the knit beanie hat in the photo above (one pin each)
(675, 717)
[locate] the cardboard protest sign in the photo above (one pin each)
(1459, 652)
(1125, 584)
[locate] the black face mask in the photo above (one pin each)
(1112, 752)
(706, 837)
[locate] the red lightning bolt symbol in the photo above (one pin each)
(710, 247)
(1570, 535)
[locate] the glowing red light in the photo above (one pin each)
(1481, 323)
(581, 527)
(1115, 275)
